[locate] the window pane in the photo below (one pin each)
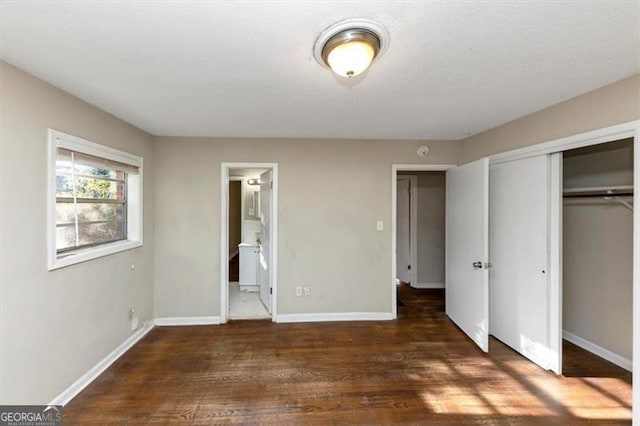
(96, 171)
(65, 212)
(89, 234)
(101, 232)
(64, 185)
(81, 178)
(65, 237)
(98, 188)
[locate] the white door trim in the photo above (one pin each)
(224, 235)
(636, 278)
(595, 137)
(395, 168)
(555, 259)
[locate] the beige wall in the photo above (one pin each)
(597, 249)
(609, 164)
(613, 104)
(431, 226)
(597, 274)
(332, 192)
(57, 325)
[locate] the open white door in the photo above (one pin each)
(520, 276)
(266, 183)
(403, 230)
(467, 250)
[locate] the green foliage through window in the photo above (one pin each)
(91, 202)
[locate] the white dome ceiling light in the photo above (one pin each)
(349, 47)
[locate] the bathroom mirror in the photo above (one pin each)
(256, 203)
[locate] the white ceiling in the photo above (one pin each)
(246, 69)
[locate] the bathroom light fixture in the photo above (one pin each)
(253, 181)
(349, 47)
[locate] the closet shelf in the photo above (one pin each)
(599, 191)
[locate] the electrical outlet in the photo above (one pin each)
(379, 225)
(298, 291)
(307, 291)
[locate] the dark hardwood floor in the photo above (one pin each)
(419, 369)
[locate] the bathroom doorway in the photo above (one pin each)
(248, 241)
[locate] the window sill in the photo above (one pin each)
(91, 253)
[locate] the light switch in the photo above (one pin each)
(379, 225)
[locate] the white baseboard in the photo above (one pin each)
(427, 285)
(77, 386)
(341, 316)
(167, 321)
(618, 360)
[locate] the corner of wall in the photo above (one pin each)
(616, 103)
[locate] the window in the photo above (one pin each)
(95, 200)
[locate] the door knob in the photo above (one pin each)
(477, 265)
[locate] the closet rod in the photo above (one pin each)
(599, 191)
(601, 195)
(606, 197)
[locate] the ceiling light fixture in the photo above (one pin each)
(349, 47)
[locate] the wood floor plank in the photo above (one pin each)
(419, 369)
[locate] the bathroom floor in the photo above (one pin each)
(245, 305)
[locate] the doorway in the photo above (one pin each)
(248, 252)
(418, 205)
(420, 228)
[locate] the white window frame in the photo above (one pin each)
(134, 200)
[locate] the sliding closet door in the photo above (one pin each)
(519, 280)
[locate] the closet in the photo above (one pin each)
(597, 239)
